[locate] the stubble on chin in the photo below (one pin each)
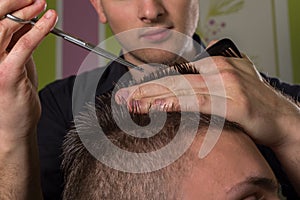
(150, 56)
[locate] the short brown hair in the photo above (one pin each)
(88, 178)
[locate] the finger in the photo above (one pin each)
(251, 63)
(15, 37)
(216, 64)
(208, 86)
(8, 6)
(9, 27)
(246, 66)
(220, 64)
(210, 65)
(178, 85)
(160, 87)
(161, 102)
(23, 49)
(167, 104)
(204, 103)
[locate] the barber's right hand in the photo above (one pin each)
(19, 102)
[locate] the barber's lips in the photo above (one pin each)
(156, 34)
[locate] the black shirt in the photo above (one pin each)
(56, 119)
(63, 98)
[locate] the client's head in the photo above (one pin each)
(234, 169)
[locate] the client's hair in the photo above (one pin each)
(88, 178)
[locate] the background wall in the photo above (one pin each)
(266, 30)
(294, 14)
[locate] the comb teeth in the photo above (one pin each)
(172, 70)
(176, 69)
(224, 47)
(229, 53)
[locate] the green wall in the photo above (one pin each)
(294, 6)
(45, 57)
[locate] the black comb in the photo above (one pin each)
(224, 47)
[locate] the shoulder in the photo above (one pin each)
(61, 95)
(64, 87)
(292, 90)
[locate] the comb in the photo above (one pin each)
(224, 47)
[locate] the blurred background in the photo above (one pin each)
(266, 30)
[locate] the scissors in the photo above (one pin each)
(224, 47)
(75, 40)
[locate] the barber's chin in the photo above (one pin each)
(151, 56)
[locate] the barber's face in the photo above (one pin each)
(147, 28)
(234, 170)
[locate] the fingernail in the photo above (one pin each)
(48, 14)
(45, 6)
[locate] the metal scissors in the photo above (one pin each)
(86, 45)
(224, 47)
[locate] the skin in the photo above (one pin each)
(232, 83)
(19, 101)
(145, 20)
(227, 169)
(20, 105)
(269, 117)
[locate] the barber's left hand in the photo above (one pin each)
(263, 112)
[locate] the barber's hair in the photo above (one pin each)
(88, 178)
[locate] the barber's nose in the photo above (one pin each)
(150, 10)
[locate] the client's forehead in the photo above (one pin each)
(233, 160)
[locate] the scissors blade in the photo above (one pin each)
(79, 42)
(93, 48)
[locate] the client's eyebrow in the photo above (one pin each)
(265, 183)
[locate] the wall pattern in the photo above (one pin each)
(265, 30)
(262, 32)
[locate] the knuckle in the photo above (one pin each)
(202, 100)
(40, 27)
(4, 30)
(26, 43)
(138, 92)
(141, 91)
